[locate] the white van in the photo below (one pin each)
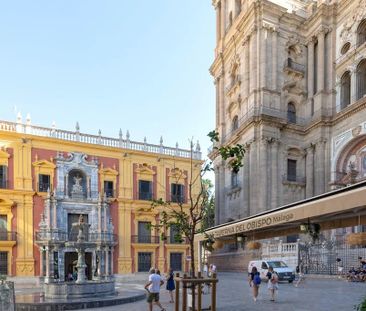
(285, 273)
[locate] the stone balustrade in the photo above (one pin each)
(98, 140)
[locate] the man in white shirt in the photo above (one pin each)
(153, 289)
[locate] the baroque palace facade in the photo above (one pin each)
(49, 177)
(290, 81)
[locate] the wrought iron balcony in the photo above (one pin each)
(105, 237)
(177, 198)
(8, 236)
(293, 66)
(148, 239)
(145, 196)
(44, 187)
(51, 235)
(109, 193)
(173, 240)
(4, 184)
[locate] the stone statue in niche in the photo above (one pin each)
(77, 188)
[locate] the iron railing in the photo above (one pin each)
(149, 239)
(173, 240)
(145, 196)
(98, 140)
(8, 236)
(4, 184)
(178, 198)
(51, 235)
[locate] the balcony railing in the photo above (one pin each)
(4, 184)
(102, 237)
(149, 239)
(177, 198)
(8, 236)
(173, 240)
(43, 187)
(51, 235)
(98, 140)
(290, 64)
(293, 178)
(145, 196)
(109, 193)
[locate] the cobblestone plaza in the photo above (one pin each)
(316, 294)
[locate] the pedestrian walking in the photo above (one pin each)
(153, 289)
(300, 273)
(254, 282)
(272, 282)
(170, 285)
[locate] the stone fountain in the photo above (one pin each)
(81, 288)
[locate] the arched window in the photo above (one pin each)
(361, 79)
(361, 33)
(291, 113)
(345, 89)
(235, 123)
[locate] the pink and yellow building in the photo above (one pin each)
(48, 177)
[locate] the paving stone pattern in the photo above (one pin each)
(316, 294)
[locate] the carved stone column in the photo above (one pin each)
(263, 57)
(309, 171)
(218, 21)
(274, 173)
(246, 67)
(107, 261)
(321, 59)
(253, 171)
(310, 68)
(49, 265)
(274, 59)
(263, 173)
(353, 84)
(67, 186)
(320, 173)
(246, 182)
(218, 186)
(253, 57)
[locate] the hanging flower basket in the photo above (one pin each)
(356, 238)
(254, 245)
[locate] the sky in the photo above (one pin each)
(137, 65)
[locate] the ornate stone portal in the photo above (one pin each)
(76, 237)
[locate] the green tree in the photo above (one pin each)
(193, 217)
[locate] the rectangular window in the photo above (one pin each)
(177, 193)
(144, 232)
(108, 189)
(3, 176)
(175, 236)
(4, 263)
(291, 170)
(3, 227)
(145, 190)
(44, 182)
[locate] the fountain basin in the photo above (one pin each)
(71, 290)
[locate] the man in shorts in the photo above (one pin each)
(153, 289)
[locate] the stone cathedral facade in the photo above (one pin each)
(290, 81)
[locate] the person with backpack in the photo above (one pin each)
(272, 282)
(254, 282)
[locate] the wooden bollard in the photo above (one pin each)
(213, 297)
(177, 286)
(184, 293)
(199, 301)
